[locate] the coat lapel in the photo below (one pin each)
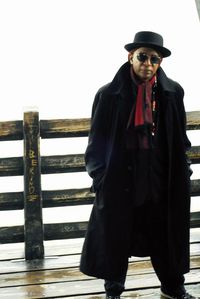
(167, 94)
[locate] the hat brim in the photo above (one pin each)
(164, 51)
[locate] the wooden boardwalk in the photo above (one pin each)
(23, 271)
(58, 275)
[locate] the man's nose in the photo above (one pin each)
(148, 61)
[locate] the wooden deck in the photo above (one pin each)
(23, 272)
(58, 276)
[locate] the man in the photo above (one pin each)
(136, 155)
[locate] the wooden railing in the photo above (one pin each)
(32, 199)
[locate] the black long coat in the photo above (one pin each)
(108, 236)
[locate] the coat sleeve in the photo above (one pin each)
(95, 155)
(182, 114)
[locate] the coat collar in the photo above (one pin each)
(122, 80)
(165, 83)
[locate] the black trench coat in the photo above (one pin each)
(107, 239)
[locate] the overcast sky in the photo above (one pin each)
(55, 54)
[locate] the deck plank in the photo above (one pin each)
(72, 274)
(63, 247)
(84, 287)
(152, 293)
(55, 262)
(58, 275)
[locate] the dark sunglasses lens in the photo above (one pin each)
(155, 59)
(142, 57)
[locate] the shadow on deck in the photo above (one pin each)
(58, 276)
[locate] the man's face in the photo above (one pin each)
(145, 62)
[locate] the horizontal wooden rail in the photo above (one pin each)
(64, 163)
(194, 154)
(55, 231)
(54, 198)
(195, 187)
(49, 164)
(195, 219)
(59, 128)
(11, 201)
(66, 197)
(11, 166)
(70, 197)
(58, 231)
(11, 130)
(12, 234)
(56, 128)
(193, 120)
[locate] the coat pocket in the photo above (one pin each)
(98, 181)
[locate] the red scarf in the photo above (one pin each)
(141, 114)
(143, 110)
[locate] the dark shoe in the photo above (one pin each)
(112, 297)
(176, 295)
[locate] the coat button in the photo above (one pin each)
(127, 190)
(130, 168)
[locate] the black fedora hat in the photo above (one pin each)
(150, 40)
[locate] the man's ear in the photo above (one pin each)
(130, 57)
(161, 61)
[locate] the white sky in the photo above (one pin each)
(55, 54)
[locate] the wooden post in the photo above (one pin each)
(33, 228)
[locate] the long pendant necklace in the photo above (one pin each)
(154, 108)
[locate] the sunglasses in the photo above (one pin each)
(154, 59)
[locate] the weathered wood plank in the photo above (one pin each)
(49, 263)
(11, 166)
(195, 187)
(151, 293)
(63, 163)
(74, 247)
(194, 154)
(90, 286)
(54, 198)
(11, 130)
(195, 219)
(54, 261)
(11, 234)
(44, 274)
(49, 164)
(33, 224)
(55, 231)
(66, 197)
(11, 201)
(52, 248)
(59, 128)
(55, 128)
(59, 231)
(193, 120)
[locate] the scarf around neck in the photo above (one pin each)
(141, 115)
(143, 110)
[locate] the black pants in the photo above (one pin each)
(168, 280)
(150, 218)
